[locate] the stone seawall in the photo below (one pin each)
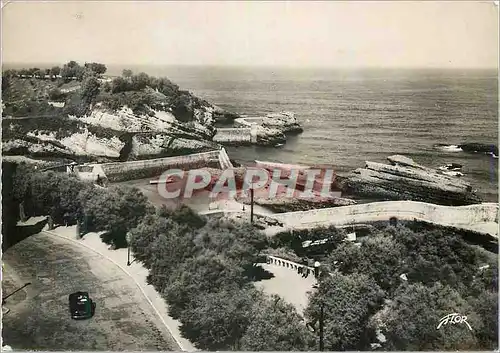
(479, 218)
(122, 171)
(233, 135)
(461, 216)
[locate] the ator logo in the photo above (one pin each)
(304, 183)
(453, 319)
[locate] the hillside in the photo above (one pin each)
(76, 112)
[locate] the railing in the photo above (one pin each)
(278, 261)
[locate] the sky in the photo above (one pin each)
(423, 34)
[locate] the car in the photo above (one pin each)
(81, 306)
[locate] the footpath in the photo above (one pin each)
(137, 273)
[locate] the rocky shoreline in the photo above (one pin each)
(403, 179)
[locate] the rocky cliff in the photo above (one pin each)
(403, 179)
(115, 119)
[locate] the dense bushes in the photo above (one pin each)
(442, 275)
(66, 198)
(140, 92)
(68, 71)
(204, 271)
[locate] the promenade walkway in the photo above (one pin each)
(137, 274)
(288, 284)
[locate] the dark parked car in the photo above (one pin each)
(81, 306)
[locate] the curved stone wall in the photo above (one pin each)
(455, 216)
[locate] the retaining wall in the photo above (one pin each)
(460, 216)
(122, 171)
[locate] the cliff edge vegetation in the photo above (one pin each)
(75, 110)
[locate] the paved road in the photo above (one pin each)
(39, 318)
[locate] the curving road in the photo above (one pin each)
(38, 318)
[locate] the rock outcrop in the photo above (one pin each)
(286, 122)
(479, 148)
(404, 179)
(267, 136)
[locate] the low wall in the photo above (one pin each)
(460, 216)
(224, 160)
(146, 168)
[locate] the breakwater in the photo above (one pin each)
(122, 171)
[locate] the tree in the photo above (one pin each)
(10, 206)
(183, 108)
(127, 73)
(486, 307)
(348, 302)
(186, 215)
(119, 84)
(379, 257)
(56, 94)
(116, 210)
(276, 326)
(157, 235)
(72, 69)
(140, 81)
(169, 252)
(39, 73)
(435, 256)
(90, 89)
(217, 321)
(410, 321)
(203, 274)
(55, 70)
(98, 68)
(241, 243)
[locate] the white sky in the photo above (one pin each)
(333, 33)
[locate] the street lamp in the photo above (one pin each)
(321, 317)
(316, 269)
(128, 249)
(251, 205)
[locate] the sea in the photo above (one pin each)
(351, 116)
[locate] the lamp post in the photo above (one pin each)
(128, 249)
(320, 320)
(321, 328)
(251, 205)
(316, 269)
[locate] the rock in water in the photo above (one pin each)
(479, 147)
(404, 179)
(284, 121)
